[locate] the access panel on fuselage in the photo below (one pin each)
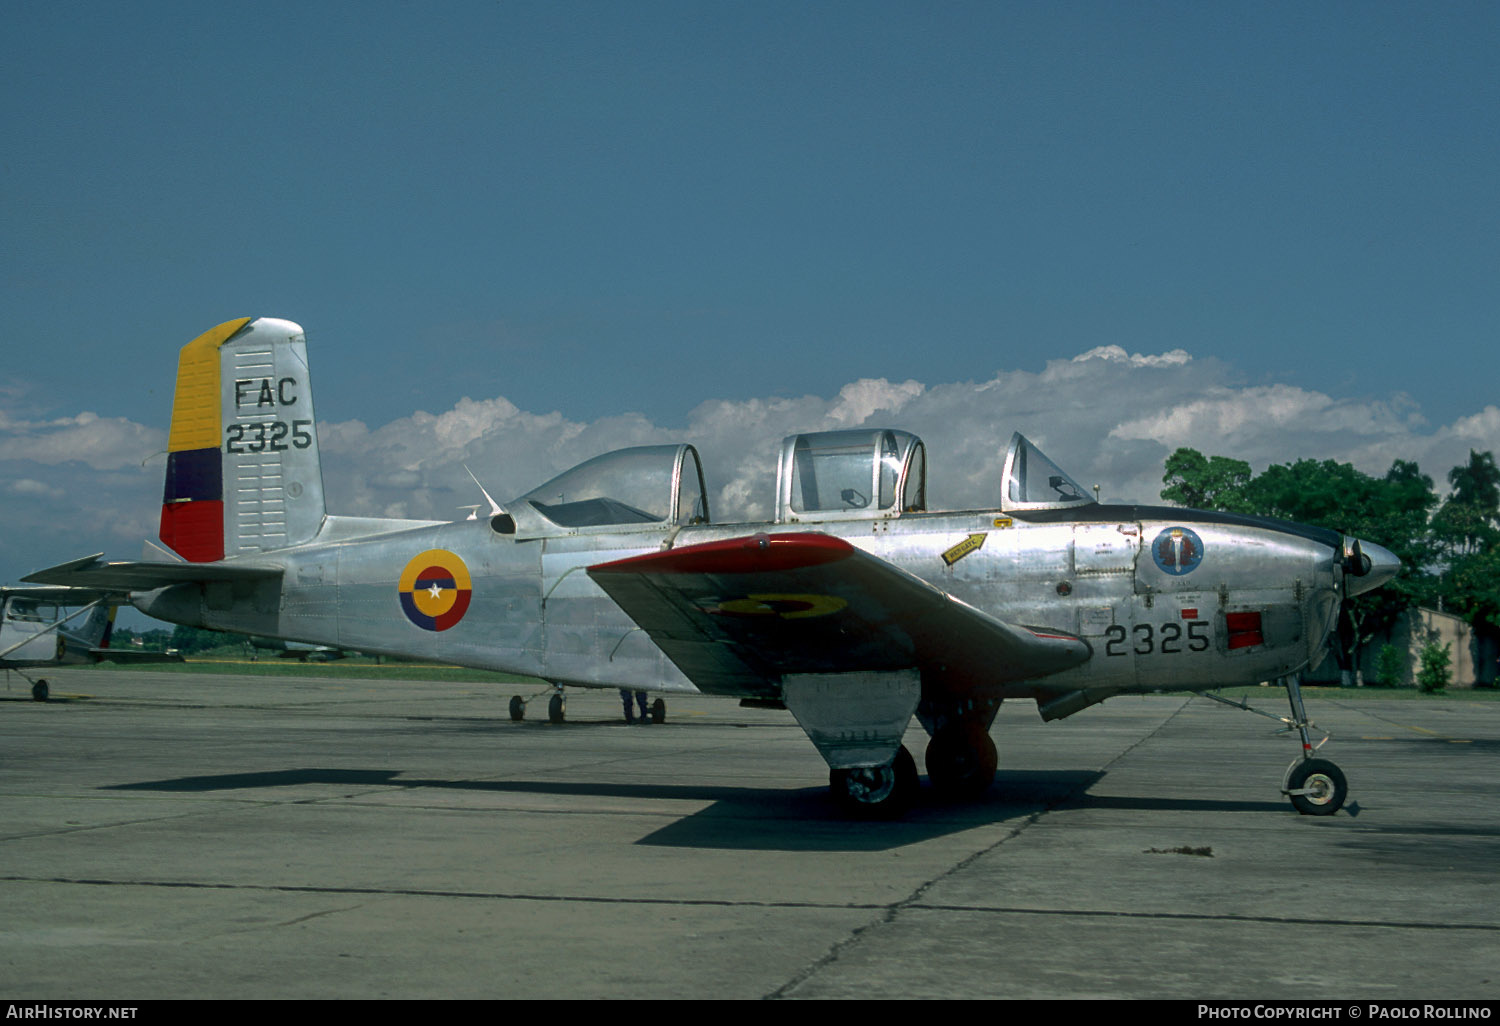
(587, 638)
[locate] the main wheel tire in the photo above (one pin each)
(877, 792)
(1324, 785)
(557, 709)
(40, 691)
(961, 761)
(517, 708)
(659, 711)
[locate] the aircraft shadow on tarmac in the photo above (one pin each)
(757, 819)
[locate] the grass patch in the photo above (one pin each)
(231, 659)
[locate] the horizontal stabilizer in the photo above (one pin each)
(119, 577)
(759, 608)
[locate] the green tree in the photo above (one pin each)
(188, 640)
(1469, 520)
(1433, 667)
(1466, 534)
(1213, 482)
(1471, 588)
(1390, 667)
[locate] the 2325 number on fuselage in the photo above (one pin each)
(1170, 638)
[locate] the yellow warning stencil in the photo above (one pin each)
(970, 544)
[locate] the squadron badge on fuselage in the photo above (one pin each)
(1177, 551)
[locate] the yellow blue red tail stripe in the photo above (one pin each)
(192, 505)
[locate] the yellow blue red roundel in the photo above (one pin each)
(435, 590)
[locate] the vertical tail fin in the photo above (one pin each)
(242, 457)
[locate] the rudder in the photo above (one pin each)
(243, 473)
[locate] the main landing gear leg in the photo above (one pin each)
(856, 721)
(961, 760)
(877, 792)
(961, 756)
(40, 692)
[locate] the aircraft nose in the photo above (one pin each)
(1381, 562)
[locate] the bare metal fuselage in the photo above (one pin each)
(534, 611)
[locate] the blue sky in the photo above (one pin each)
(624, 210)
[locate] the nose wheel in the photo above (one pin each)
(1316, 787)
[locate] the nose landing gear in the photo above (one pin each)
(1315, 787)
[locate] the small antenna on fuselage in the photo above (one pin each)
(495, 508)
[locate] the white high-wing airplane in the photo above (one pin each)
(856, 608)
(50, 625)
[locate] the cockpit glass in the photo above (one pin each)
(831, 471)
(1032, 480)
(27, 610)
(627, 486)
(850, 475)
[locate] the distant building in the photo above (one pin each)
(1473, 658)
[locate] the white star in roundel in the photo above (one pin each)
(434, 591)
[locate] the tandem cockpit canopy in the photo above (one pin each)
(851, 475)
(658, 485)
(1032, 481)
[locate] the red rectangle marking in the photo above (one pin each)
(1244, 630)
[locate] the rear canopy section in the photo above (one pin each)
(850, 475)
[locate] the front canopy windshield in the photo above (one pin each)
(1032, 481)
(649, 484)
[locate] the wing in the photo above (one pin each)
(736, 616)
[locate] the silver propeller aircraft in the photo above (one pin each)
(49, 625)
(856, 608)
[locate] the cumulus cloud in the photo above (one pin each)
(1118, 355)
(1483, 429)
(1110, 417)
(76, 484)
(28, 488)
(104, 443)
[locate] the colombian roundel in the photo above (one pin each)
(435, 589)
